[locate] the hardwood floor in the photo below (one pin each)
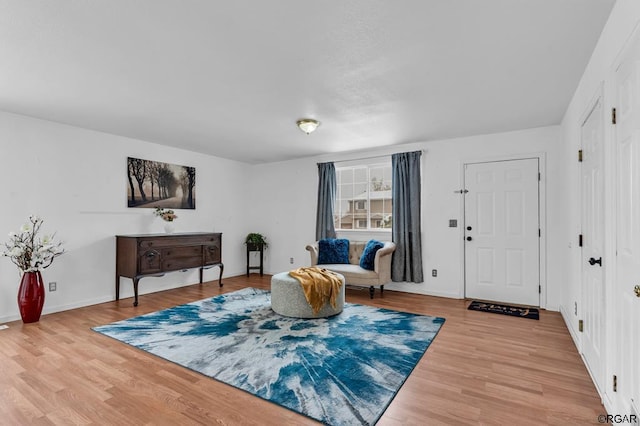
(481, 369)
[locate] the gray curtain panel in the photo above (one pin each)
(326, 201)
(406, 263)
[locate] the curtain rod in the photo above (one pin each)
(422, 151)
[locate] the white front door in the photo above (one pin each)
(627, 301)
(502, 256)
(593, 290)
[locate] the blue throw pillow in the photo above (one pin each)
(367, 260)
(332, 250)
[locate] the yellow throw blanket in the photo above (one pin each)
(319, 286)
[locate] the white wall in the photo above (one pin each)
(285, 194)
(76, 180)
(598, 75)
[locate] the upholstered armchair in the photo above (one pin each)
(353, 273)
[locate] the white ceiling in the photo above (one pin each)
(230, 78)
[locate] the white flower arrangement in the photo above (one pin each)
(165, 214)
(29, 252)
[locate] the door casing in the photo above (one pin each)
(593, 339)
(625, 324)
(541, 156)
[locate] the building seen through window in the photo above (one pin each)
(363, 200)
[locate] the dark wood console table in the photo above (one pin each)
(153, 255)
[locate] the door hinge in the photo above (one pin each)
(580, 156)
(539, 289)
(580, 240)
(539, 233)
(615, 383)
(613, 116)
(539, 177)
(580, 325)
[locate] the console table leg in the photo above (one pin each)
(201, 269)
(220, 278)
(117, 287)
(135, 291)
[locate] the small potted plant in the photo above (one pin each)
(255, 241)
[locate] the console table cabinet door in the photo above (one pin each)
(212, 254)
(150, 262)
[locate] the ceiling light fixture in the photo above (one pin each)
(308, 125)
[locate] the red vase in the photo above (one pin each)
(31, 296)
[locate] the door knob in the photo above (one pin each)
(469, 228)
(636, 290)
(469, 238)
(593, 261)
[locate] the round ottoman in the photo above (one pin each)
(288, 299)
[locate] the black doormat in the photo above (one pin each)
(514, 311)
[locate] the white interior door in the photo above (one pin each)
(593, 290)
(627, 141)
(502, 256)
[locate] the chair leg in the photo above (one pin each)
(381, 290)
(371, 291)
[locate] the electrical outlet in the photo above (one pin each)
(434, 272)
(291, 260)
(53, 286)
(453, 223)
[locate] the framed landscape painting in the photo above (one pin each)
(152, 184)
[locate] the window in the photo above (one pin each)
(363, 200)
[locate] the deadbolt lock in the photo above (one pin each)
(593, 261)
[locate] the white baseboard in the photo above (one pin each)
(572, 332)
(126, 292)
(415, 289)
(60, 308)
(576, 341)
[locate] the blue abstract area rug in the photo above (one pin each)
(342, 370)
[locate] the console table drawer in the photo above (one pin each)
(181, 263)
(179, 252)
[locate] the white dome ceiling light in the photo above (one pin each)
(308, 125)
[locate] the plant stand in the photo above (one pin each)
(259, 248)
